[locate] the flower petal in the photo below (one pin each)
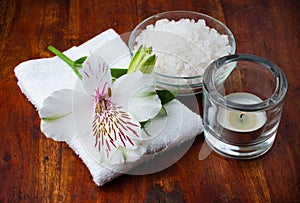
(99, 153)
(115, 130)
(128, 132)
(134, 155)
(83, 112)
(123, 155)
(95, 75)
(57, 115)
(136, 93)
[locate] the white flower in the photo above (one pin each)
(106, 116)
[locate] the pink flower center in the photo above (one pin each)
(111, 124)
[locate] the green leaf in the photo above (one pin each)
(117, 72)
(80, 61)
(162, 112)
(165, 96)
(143, 124)
(66, 59)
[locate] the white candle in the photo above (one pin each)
(240, 121)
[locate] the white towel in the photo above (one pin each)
(38, 78)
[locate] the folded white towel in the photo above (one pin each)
(39, 78)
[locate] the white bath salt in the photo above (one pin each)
(184, 47)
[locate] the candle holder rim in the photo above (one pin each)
(277, 96)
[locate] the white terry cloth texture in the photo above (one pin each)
(39, 78)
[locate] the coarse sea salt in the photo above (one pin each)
(184, 47)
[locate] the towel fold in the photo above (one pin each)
(39, 78)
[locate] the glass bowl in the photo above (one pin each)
(178, 68)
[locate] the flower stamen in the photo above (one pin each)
(111, 124)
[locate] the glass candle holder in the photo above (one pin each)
(243, 99)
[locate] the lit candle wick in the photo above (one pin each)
(241, 116)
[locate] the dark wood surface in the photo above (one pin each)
(36, 169)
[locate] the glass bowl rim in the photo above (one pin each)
(162, 14)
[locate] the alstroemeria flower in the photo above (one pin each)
(105, 115)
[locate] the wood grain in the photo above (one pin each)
(36, 169)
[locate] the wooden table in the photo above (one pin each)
(36, 169)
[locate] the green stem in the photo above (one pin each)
(66, 59)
